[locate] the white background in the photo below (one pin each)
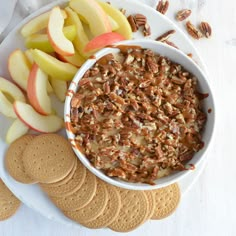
(209, 208)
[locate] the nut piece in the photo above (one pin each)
(193, 31)
(205, 29)
(132, 23)
(183, 14)
(170, 43)
(165, 36)
(140, 19)
(162, 6)
(147, 30)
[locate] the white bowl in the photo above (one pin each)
(208, 103)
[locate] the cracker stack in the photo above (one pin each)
(8, 202)
(48, 159)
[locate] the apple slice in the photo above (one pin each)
(36, 121)
(41, 41)
(124, 26)
(56, 37)
(54, 67)
(28, 54)
(6, 107)
(81, 38)
(11, 89)
(37, 91)
(103, 40)
(76, 60)
(59, 88)
(19, 68)
(94, 15)
(38, 23)
(16, 130)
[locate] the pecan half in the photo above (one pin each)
(183, 14)
(171, 44)
(132, 23)
(193, 31)
(162, 6)
(205, 29)
(140, 19)
(165, 36)
(147, 30)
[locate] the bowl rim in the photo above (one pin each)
(74, 86)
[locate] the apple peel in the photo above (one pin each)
(36, 121)
(103, 40)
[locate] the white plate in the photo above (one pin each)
(31, 195)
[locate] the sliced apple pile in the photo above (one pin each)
(58, 42)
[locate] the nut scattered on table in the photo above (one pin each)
(162, 6)
(183, 14)
(205, 29)
(193, 31)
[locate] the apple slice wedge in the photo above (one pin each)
(41, 41)
(37, 24)
(6, 107)
(102, 41)
(95, 16)
(11, 89)
(54, 67)
(36, 121)
(124, 26)
(76, 60)
(19, 68)
(59, 42)
(59, 88)
(81, 38)
(16, 130)
(37, 91)
(28, 54)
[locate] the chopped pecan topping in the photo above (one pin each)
(162, 6)
(193, 31)
(205, 29)
(137, 115)
(183, 14)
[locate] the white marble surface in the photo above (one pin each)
(209, 208)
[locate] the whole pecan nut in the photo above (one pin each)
(183, 14)
(205, 29)
(193, 31)
(162, 6)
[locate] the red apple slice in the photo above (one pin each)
(37, 90)
(36, 121)
(6, 107)
(19, 68)
(103, 40)
(59, 42)
(38, 23)
(16, 130)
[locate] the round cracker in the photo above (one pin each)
(110, 213)
(13, 159)
(69, 187)
(81, 197)
(133, 212)
(167, 200)
(94, 209)
(151, 203)
(48, 158)
(63, 181)
(8, 202)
